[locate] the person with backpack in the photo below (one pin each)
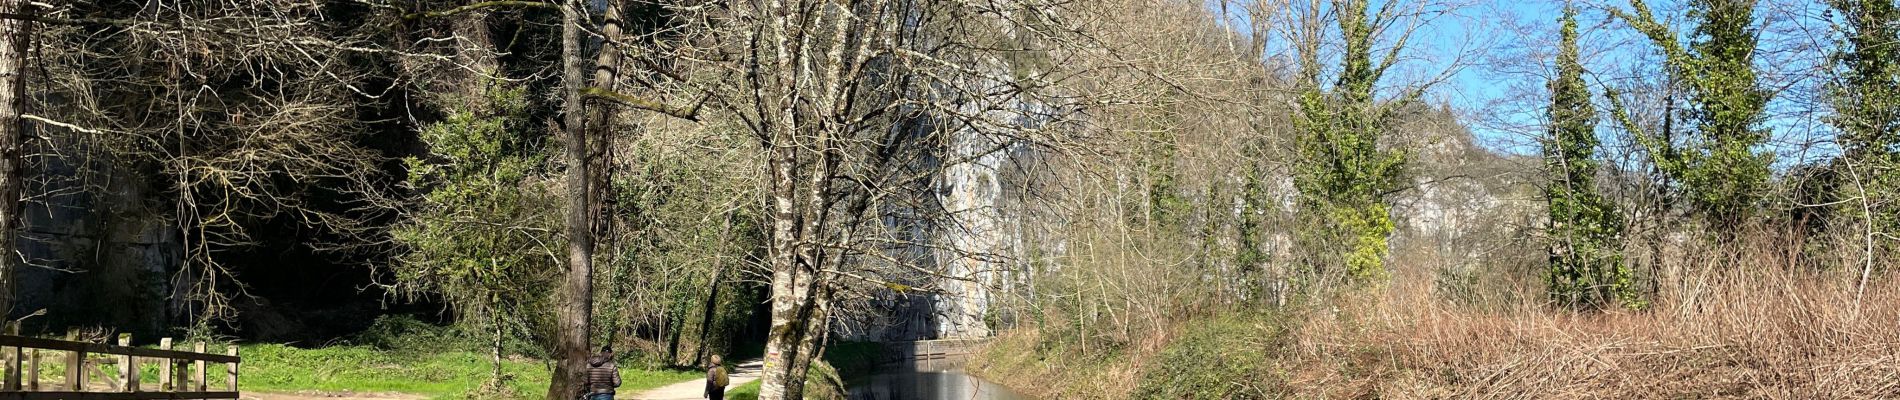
(716, 379)
(603, 375)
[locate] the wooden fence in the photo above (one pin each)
(21, 356)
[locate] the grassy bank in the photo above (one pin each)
(364, 369)
(449, 374)
(821, 384)
(1220, 357)
(748, 391)
(826, 381)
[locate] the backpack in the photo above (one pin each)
(718, 376)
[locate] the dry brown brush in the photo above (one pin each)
(1758, 326)
(1746, 321)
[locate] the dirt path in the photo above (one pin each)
(745, 372)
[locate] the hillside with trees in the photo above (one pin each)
(1121, 198)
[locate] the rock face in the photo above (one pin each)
(1467, 205)
(96, 253)
(981, 235)
(969, 234)
(969, 244)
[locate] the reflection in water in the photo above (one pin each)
(927, 380)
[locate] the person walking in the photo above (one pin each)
(603, 375)
(716, 379)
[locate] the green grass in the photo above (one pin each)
(397, 354)
(821, 383)
(848, 358)
(448, 374)
(1222, 357)
(748, 391)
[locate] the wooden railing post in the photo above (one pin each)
(165, 373)
(174, 384)
(33, 370)
(14, 359)
(15, 356)
(230, 370)
(128, 365)
(75, 371)
(198, 366)
(12, 380)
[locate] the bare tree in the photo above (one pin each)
(15, 35)
(861, 110)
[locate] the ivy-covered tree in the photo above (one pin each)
(1722, 173)
(1866, 98)
(1344, 174)
(1585, 232)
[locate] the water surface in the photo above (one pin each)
(927, 380)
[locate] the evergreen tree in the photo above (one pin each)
(1585, 232)
(1866, 98)
(1721, 172)
(480, 236)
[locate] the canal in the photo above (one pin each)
(926, 380)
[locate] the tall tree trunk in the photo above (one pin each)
(793, 273)
(799, 320)
(600, 124)
(574, 318)
(787, 330)
(815, 315)
(601, 135)
(12, 95)
(775, 88)
(673, 327)
(799, 284)
(711, 305)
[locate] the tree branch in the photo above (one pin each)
(478, 6)
(689, 114)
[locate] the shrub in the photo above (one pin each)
(1224, 358)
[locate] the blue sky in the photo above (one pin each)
(1502, 101)
(1498, 52)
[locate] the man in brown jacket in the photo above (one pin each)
(716, 379)
(603, 375)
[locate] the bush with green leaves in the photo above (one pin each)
(484, 233)
(1222, 358)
